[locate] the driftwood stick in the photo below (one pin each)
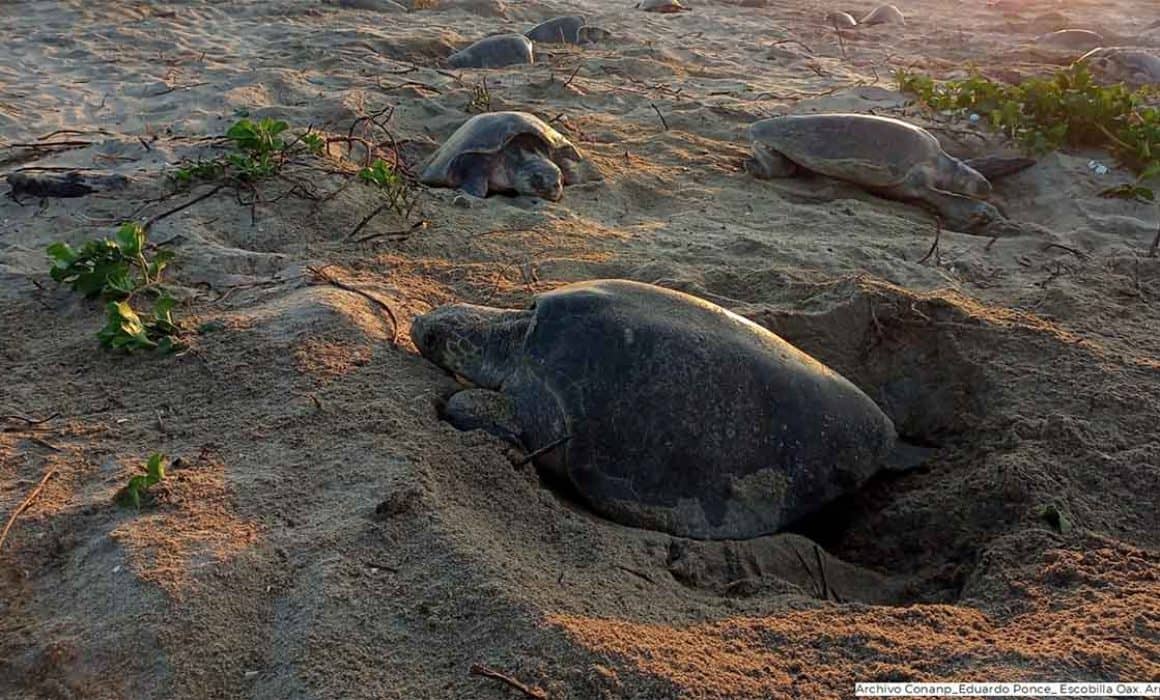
(27, 420)
(543, 450)
(664, 123)
(481, 670)
(934, 246)
(322, 275)
(170, 212)
(24, 505)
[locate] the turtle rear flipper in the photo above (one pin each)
(994, 167)
(907, 456)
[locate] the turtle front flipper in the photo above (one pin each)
(767, 163)
(483, 409)
(907, 456)
(958, 212)
(475, 178)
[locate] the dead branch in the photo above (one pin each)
(481, 670)
(24, 505)
(934, 246)
(664, 123)
(321, 274)
(29, 421)
(169, 212)
(543, 450)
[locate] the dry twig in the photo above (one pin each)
(321, 274)
(481, 670)
(934, 246)
(24, 505)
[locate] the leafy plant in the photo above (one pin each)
(480, 98)
(138, 485)
(113, 267)
(260, 152)
(125, 329)
(116, 269)
(314, 143)
(400, 196)
(199, 170)
(1068, 108)
(1130, 191)
(1053, 516)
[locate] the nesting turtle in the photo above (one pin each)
(883, 14)
(570, 29)
(662, 410)
(1079, 39)
(506, 152)
(495, 52)
(886, 156)
(1122, 64)
(841, 20)
(664, 6)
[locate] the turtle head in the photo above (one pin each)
(967, 181)
(535, 175)
(972, 215)
(480, 343)
(592, 35)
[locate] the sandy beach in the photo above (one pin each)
(321, 533)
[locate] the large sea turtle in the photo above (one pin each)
(841, 20)
(1071, 39)
(662, 6)
(505, 152)
(883, 14)
(495, 52)
(887, 156)
(1135, 67)
(662, 410)
(570, 29)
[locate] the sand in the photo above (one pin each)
(323, 534)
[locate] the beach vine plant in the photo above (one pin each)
(401, 196)
(260, 151)
(120, 270)
(134, 492)
(1065, 109)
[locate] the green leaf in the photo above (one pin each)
(1130, 191)
(62, 253)
(124, 328)
(155, 468)
(131, 239)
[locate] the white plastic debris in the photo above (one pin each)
(1097, 167)
(974, 117)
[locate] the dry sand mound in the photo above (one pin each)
(323, 534)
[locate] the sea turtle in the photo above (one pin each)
(887, 156)
(662, 410)
(1135, 67)
(1080, 39)
(841, 20)
(505, 152)
(664, 6)
(570, 29)
(883, 14)
(372, 5)
(494, 52)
